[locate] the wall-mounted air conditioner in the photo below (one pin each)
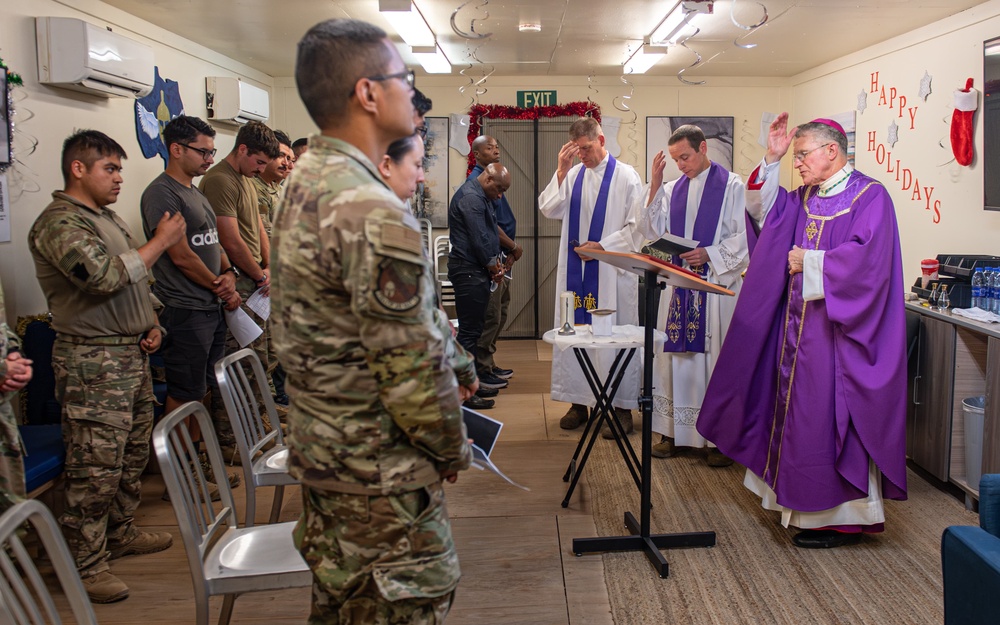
(77, 55)
(232, 101)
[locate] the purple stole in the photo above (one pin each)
(685, 315)
(584, 278)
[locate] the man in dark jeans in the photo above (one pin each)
(474, 263)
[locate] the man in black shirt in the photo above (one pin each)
(194, 279)
(473, 262)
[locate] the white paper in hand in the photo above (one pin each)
(242, 326)
(260, 304)
(484, 432)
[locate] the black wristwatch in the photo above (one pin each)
(233, 269)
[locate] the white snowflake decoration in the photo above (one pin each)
(925, 86)
(862, 101)
(893, 134)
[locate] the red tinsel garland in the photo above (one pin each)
(496, 111)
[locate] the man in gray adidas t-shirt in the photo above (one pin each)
(194, 279)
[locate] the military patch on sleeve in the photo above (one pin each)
(401, 237)
(398, 286)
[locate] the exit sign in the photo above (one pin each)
(530, 99)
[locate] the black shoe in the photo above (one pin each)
(281, 399)
(487, 392)
(825, 539)
(503, 374)
(478, 403)
(489, 380)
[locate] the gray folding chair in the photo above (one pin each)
(224, 559)
(24, 598)
(261, 467)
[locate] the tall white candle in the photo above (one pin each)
(566, 299)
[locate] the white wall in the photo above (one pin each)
(48, 115)
(950, 51)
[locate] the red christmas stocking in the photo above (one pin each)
(966, 103)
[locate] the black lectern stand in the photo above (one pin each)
(657, 274)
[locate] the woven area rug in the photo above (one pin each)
(755, 574)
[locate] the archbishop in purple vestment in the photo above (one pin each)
(809, 391)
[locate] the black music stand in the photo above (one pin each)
(657, 273)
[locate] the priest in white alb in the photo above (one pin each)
(705, 204)
(596, 202)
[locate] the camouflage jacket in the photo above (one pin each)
(373, 368)
(267, 199)
(88, 265)
(9, 342)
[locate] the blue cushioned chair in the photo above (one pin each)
(38, 399)
(970, 559)
(44, 456)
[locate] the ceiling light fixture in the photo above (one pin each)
(669, 29)
(527, 27)
(411, 26)
(644, 58)
(432, 59)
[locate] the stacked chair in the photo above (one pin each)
(263, 454)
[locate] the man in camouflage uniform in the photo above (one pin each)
(15, 373)
(268, 184)
(95, 277)
(377, 379)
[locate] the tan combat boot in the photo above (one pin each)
(574, 417)
(143, 543)
(624, 417)
(664, 449)
(104, 588)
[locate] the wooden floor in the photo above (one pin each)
(514, 546)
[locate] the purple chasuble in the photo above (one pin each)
(584, 277)
(805, 394)
(685, 327)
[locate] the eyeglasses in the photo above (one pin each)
(205, 153)
(407, 76)
(422, 131)
(798, 157)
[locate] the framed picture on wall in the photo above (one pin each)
(6, 149)
(718, 134)
(432, 199)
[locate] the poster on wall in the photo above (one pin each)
(5, 138)
(4, 210)
(432, 200)
(153, 112)
(718, 135)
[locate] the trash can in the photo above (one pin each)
(972, 408)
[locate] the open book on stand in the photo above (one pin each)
(484, 433)
(670, 244)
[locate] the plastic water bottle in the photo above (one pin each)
(993, 296)
(978, 298)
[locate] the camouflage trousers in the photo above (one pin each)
(378, 560)
(107, 418)
(11, 461)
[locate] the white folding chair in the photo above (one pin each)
(224, 559)
(261, 467)
(442, 247)
(425, 234)
(24, 598)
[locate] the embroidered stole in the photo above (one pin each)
(584, 278)
(685, 315)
